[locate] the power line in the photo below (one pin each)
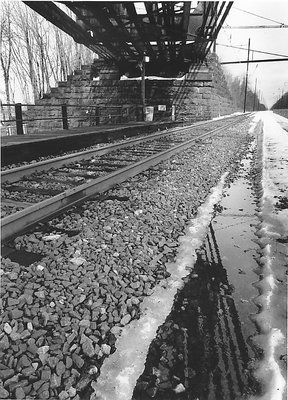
(226, 34)
(230, 41)
(241, 48)
(259, 16)
(256, 26)
(256, 51)
(254, 61)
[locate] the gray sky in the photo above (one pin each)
(272, 78)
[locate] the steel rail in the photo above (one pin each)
(25, 219)
(14, 174)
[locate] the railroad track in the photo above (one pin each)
(13, 173)
(42, 190)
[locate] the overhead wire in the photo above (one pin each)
(244, 48)
(259, 16)
(256, 51)
(238, 56)
(229, 38)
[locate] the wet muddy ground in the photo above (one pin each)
(203, 350)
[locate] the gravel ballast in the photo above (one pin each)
(61, 315)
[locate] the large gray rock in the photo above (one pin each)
(6, 373)
(60, 368)
(55, 381)
(77, 360)
(125, 320)
(87, 346)
(4, 343)
(4, 394)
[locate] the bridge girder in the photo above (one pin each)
(173, 34)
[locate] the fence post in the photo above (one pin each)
(19, 119)
(173, 113)
(64, 116)
(139, 113)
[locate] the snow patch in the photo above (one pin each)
(269, 371)
(274, 224)
(275, 167)
(227, 116)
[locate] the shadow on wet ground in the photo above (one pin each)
(200, 352)
(203, 349)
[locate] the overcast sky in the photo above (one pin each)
(272, 77)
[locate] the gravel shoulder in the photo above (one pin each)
(61, 315)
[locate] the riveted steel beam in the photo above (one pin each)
(52, 13)
(130, 7)
(123, 32)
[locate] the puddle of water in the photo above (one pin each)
(234, 230)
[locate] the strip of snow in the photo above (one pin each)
(269, 371)
(121, 370)
(152, 78)
(274, 224)
(281, 120)
(227, 115)
(253, 124)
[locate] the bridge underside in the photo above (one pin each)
(173, 35)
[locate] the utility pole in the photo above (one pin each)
(143, 95)
(246, 83)
(143, 83)
(255, 94)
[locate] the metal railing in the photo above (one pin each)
(19, 118)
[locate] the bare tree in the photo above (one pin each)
(6, 43)
(26, 44)
(36, 53)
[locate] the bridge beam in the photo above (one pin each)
(173, 34)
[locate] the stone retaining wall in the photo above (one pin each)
(202, 94)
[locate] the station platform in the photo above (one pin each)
(20, 148)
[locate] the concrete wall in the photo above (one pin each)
(202, 94)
